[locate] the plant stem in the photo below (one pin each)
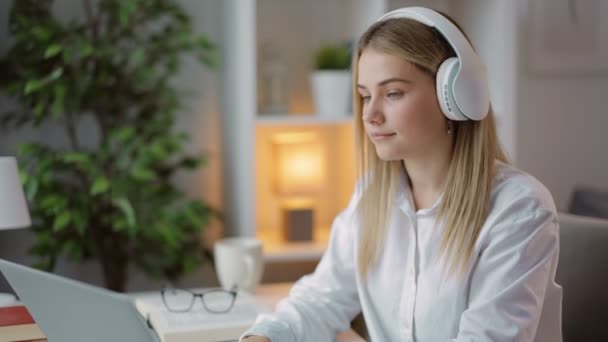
(92, 19)
(71, 128)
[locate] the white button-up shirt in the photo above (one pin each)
(507, 294)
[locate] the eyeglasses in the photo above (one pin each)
(214, 300)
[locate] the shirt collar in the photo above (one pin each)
(405, 198)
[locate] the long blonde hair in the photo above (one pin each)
(465, 202)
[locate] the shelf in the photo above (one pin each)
(301, 119)
(278, 250)
(294, 251)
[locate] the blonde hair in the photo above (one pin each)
(464, 204)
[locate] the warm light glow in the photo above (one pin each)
(299, 164)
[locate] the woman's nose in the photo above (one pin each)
(372, 113)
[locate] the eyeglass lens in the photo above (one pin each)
(178, 300)
(217, 301)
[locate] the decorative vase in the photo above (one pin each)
(331, 92)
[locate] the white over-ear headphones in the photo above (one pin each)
(462, 86)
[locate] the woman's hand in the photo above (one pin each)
(256, 339)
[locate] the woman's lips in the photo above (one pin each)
(381, 136)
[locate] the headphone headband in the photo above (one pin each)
(470, 88)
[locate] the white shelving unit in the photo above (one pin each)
(301, 120)
(296, 29)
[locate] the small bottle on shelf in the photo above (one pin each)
(273, 82)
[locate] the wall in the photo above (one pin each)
(561, 124)
(552, 125)
(491, 29)
(200, 118)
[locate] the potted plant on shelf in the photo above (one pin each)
(108, 194)
(331, 80)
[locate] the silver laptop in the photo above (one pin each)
(71, 311)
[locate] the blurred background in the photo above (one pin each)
(547, 63)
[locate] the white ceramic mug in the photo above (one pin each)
(239, 262)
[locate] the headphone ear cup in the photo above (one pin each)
(445, 89)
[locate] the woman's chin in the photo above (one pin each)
(386, 154)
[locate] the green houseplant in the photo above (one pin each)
(331, 80)
(332, 57)
(112, 199)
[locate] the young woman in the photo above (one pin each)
(442, 240)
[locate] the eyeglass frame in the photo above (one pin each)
(233, 292)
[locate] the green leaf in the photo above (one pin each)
(31, 189)
(137, 57)
(23, 176)
(68, 54)
(55, 74)
(141, 173)
(79, 221)
(127, 8)
(158, 150)
(191, 163)
(85, 48)
(41, 33)
(28, 149)
(203, 42)
(77, 158)
(81, 160)
(72, 250)
(53, 202)
(57, 108)
(39, 111)
(62, 221)
(100, 185)
(127, 209)
(124, 134)
(333, 57)
(34, 85)
(169, 236)
(31, 86)
(211, 60)
(52, 51)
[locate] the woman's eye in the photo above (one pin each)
(366, 98)
(394, 94)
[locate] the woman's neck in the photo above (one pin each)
(428, 176)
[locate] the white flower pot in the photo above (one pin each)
(331, 92)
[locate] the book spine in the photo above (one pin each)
(15, 315)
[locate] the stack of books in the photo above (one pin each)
(16, 324)
(198, 325)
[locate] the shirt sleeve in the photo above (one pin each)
(322, 304)
(510, 280)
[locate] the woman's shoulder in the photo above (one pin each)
(519, 205)
(518, 192)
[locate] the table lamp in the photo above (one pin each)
(298, 178)
(13, 208)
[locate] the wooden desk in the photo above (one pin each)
(271, 294)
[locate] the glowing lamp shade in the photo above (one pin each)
(13, 208)
(299, 164)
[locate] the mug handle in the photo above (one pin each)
(249, 269)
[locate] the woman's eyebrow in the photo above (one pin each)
(386, 81)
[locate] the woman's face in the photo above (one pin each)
(401, 114)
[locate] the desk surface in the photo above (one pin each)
(271, 294)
